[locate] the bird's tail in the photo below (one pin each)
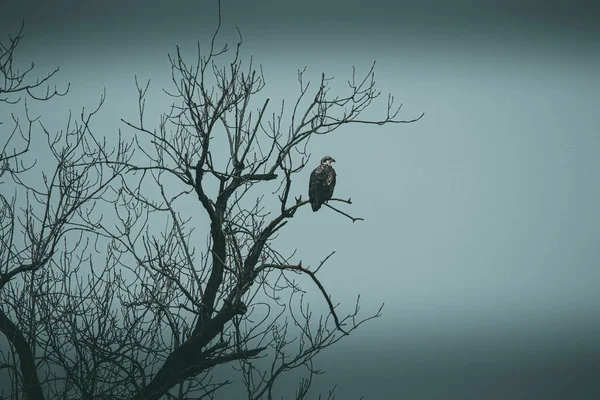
(315, 205)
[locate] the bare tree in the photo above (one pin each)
(103, 294)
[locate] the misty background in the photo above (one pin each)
(482, 227)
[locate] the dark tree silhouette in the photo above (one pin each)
(103, 294)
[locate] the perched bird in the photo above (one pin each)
(322, 183)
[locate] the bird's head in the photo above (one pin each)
(327, 160)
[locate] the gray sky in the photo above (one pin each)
(482, 224)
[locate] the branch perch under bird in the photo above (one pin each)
(354, 219)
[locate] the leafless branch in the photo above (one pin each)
(13, 81)
(354, 219)
(315, 280)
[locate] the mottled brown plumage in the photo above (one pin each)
(322, 183)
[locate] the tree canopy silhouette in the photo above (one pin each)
(107, 290)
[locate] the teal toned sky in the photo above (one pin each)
(482, 227)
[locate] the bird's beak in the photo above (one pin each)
(332, 160)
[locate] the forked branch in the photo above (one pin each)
(312, 275)
(354, 219)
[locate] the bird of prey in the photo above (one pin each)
(322, 183)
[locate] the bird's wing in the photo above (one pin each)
(330, 181)
(313, 183)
